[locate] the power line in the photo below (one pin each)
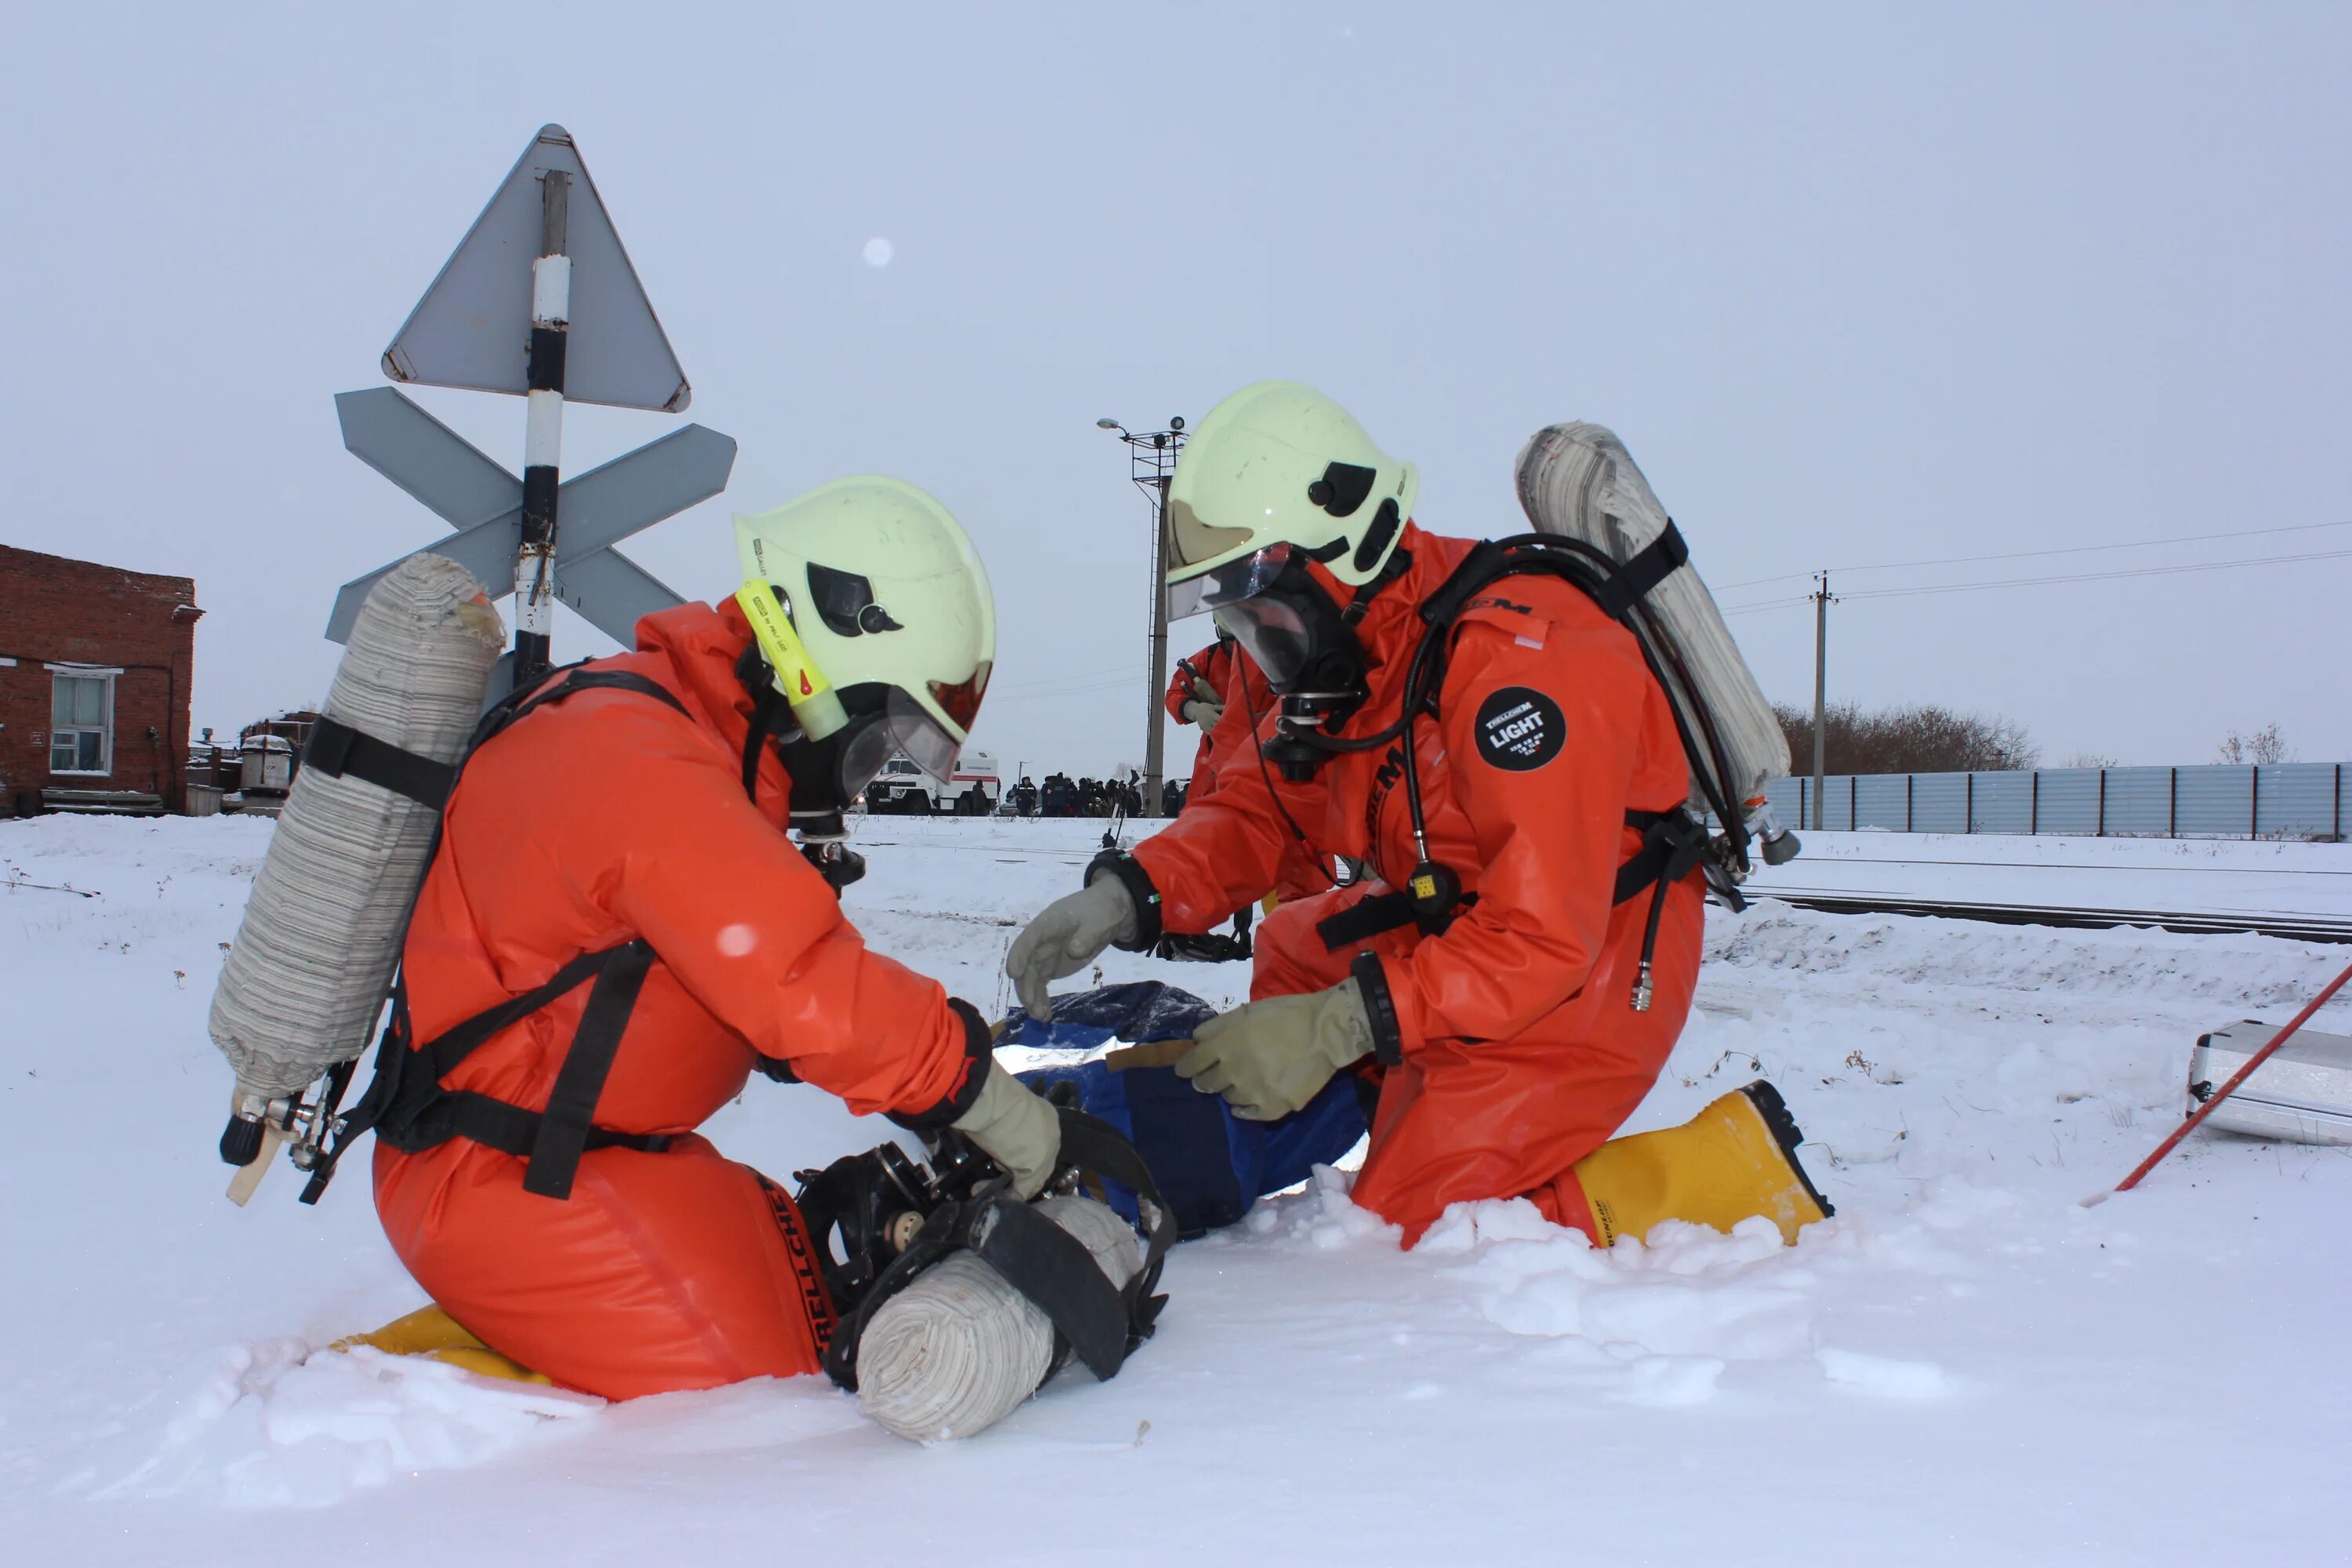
(2099, 576)
(1788, 602)
(2062, 550)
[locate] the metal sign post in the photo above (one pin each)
(543, 434)
(541, 259)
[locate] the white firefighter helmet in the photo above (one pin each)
(1280, 464)
(874, 611)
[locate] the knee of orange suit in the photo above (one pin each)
(660, 1272)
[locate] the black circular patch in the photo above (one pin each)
(1519, 729)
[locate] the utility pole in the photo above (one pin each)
(1152, 464)
(1822, 600)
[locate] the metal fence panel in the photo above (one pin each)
(2216, 801)
(2069, 801)
(2139, 803)
(1837, 804)
(1882, 801)
(1939, 803)
(2298, 800)
(2001, 802)
(2286, 800)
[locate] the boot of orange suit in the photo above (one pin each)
(1735, 1160)
(429, 1331)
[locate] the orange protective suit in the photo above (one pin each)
(605, 816)
(1225, 667)
(1521, 1052)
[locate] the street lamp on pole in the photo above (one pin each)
(1152, 464)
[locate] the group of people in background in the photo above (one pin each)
(1061, 796)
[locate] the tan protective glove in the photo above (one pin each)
(1015, 1128)
(1204, 706)
(1269, 1059)
(1067, 936)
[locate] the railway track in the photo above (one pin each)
(2294, 926)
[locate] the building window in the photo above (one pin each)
(81, 714)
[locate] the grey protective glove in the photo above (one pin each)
(1015, 1128)
(1065, 938)
(1269, 1059)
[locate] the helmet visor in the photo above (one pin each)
(903, 725)
(1191, 540)
(1237, 579)
(913, 731)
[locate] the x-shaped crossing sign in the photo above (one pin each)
(479, 499)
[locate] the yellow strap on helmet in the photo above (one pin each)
(814, 701)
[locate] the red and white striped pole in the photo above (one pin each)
(543, 441)
(2244, 1073)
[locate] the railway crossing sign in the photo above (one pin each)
(483, 501)
(472, 329)
(539, 299)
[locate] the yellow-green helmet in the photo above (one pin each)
(873, 610)
(1279, 463)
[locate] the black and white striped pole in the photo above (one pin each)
(542, 441)
(499, 318)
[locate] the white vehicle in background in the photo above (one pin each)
(904, 789)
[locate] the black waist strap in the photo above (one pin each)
(1380, 913)
(423, 1114)
(1672, 842)
(511, 1130)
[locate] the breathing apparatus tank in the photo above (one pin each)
(306, 977)
(1577, 482)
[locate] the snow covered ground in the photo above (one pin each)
(1963, 1367)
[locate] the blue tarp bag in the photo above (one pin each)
(1211, 1164)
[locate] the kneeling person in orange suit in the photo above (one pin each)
(1510, 1032)
(618, 925)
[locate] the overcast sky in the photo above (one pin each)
(1857, 286)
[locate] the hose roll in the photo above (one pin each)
(959, 1348)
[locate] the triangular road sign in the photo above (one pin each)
(472, 329)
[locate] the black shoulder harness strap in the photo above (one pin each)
(1099, 1323)
(405, 1104)
(1675, 842)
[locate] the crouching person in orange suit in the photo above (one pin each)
(615, 933)
(1511, 1030)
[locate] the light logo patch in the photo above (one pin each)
(1520, 728)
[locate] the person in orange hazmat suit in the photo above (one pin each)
(1511, 1030)
(615, 932)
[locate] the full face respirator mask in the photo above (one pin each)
(1286, 622)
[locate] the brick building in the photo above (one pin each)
(96, 666)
